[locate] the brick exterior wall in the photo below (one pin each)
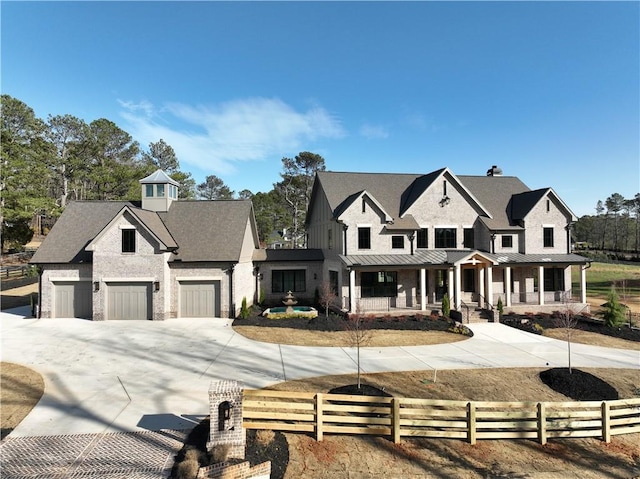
(51, 272)
(236, 471)
(313, 279)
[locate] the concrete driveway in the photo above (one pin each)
(132, 376)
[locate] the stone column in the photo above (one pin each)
(507, 285)
(541, 285)
(451, 285)
(583, 284)
(481, 299)
(423, 289)
(352, 291)
(490, 284)
(225, 415)
(458, 297)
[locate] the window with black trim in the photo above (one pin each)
(553, 279)
(547, 234)
(129, 241)
(507, 241)
(364, 238)
(330, 238)
(468, 238)
(293, 280)
(446, 238)
(379, 284)
(397, 242)
(423, 238)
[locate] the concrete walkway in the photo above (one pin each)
(133, 376)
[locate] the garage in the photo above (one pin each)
(129, 301)
(73, 299)
(199, 299)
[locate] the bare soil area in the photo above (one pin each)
(20, 390)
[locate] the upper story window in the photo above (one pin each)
(423, 238)
(364, 238)
(128, 241)
(507, 241)
(397, 242)
(160, 191)
(468, 239)
(173, 192)
(446, 238)
(548, 205)
(547, 236)
(330, 238)
(148, 191)
(364, 205)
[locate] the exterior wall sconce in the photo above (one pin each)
(96, 285)
(444, 201)
(156, 286)
(315, 275)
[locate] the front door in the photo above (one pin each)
(442, 283)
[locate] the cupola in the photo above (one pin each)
(158, 191)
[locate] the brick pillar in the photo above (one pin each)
(225, 413)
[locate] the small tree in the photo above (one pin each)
(446, 305)
(500, 307)
(613, 310)
(567, 319)
(360, 334)
(327, 297)
(244, 310)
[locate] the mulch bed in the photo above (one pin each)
(335, 322)
(578, 385)
(527, 322)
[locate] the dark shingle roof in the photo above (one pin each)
(285, 254)
(202, 230)
(522, 203)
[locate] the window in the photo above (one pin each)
(554, 279)
(444, 188)
(148, 191)
(330, 238)
(468, 239)
(507, 241)
(173, 192)
(445, 238)
(364, 205)
(548, 206)
(364, 238)
(129, 241)
(423, 238)
(283, 281)
(379, 284)
(397, 242)
(160, 191)
(333, 282)
(548, 237)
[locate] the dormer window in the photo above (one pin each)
(128, 241)
(148, 191)
(160, 191)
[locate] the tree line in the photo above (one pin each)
(48, 163)
(614, 227)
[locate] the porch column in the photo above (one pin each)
(458, 301)
(490, 285)
(583, 284)
(481, 287)
(541, 285)
(507, 286)
(451, 285)
(423, 289)
(352, 291)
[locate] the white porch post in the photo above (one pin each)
(451, 285)
(583, 284)
(490, 285)
(423, 289)
(458, 301)
(507, 286)
(541, 285)
(481, 287)
(352, 291)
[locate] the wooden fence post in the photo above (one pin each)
(318, 405)
(542, 424)
(606, 422)
(395, 420)
(471, 423)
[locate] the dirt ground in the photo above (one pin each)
(16, 297)
(20, 390)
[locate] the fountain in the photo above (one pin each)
(289, 302)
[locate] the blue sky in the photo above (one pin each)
(548, 91)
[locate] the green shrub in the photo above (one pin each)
(500, 307)
(538, 328)
(613, 310)
(261, 298)
(446, 306)
(244, 310)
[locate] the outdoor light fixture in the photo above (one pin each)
(445, 201)
(156, 286)
(96, 285)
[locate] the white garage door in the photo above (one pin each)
(73, 299)
(129, 301)
(199, 299)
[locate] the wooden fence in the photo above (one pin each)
(432, 418)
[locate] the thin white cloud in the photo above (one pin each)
(216, 137)
(374, 132)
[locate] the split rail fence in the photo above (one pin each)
(395, 418)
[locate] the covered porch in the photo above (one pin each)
(471, 279)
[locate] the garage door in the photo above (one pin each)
(73, 299)
(199, 299)
(129, 301)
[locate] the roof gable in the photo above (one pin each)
(524, 203)
(347, 203)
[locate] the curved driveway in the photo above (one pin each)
(120, 376)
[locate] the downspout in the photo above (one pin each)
(40, 271)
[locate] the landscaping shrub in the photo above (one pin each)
(446, 306)
(244, 310)
(500, 307)
(613, 310)
(220, 453)
(264, 437)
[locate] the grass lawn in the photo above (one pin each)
(600, 278)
